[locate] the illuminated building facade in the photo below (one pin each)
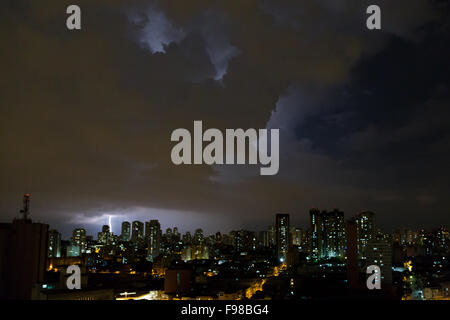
(79, 239)
(327, 234)
(73, 250)
(153, 238)
(105, 235)
(54, 244)
(198, 237)
(315, 233)
(187, 238)
(379, 253)
(365, 228)
(195, 252)
(244, 240)
(272, 236)
(126, 231)
(137, 231)
(282, 236)
(296, 236)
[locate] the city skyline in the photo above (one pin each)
(115, 222)
(334, 253)
(183, 231)
(92, 229)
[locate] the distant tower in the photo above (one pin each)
(26, 206)
(316, 233)
(176, 234)
(282, 236)
(334, 237)
(126, 231)
(54, 244)
(379, 252)
(365, 222)
(198, 236)
(153, 238)
(327, 234)
(169, 235)
(79, 239)
(137, 231)
(187, 238)
(105, 235)
(296, 236)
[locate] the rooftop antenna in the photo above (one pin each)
(26, 206)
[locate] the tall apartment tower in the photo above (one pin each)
(334, 240)
(365, 222)
(79, 239)
(104, 237)
(327, 234)
(296, 236)
(198, 237)
(137, 231)
(153, 235)
(379, 252)
(272, 236)
(282, 230)
(126, 231)
(54, 244)
(316, 231)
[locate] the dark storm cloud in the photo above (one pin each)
(86, 116)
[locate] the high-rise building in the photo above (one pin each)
(153, 238)
(195, 252)
(296, 236)
(218, 237)
(327, 234)
(365, 222)
(104, 237)
(54, 244)
(334, 240)
(263, 239)
(379, 253)
(176, 234)
(137, 231)
(169, 234)
(90, 244)
(403, 236)
(126, 231)
(243, 240)
(187, 238)
(23, 254)
(272, 234)
(79, 239)
(316, 231)
(441, 236)
(198, 236)
(282, 236)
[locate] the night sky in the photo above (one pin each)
(86, 116)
